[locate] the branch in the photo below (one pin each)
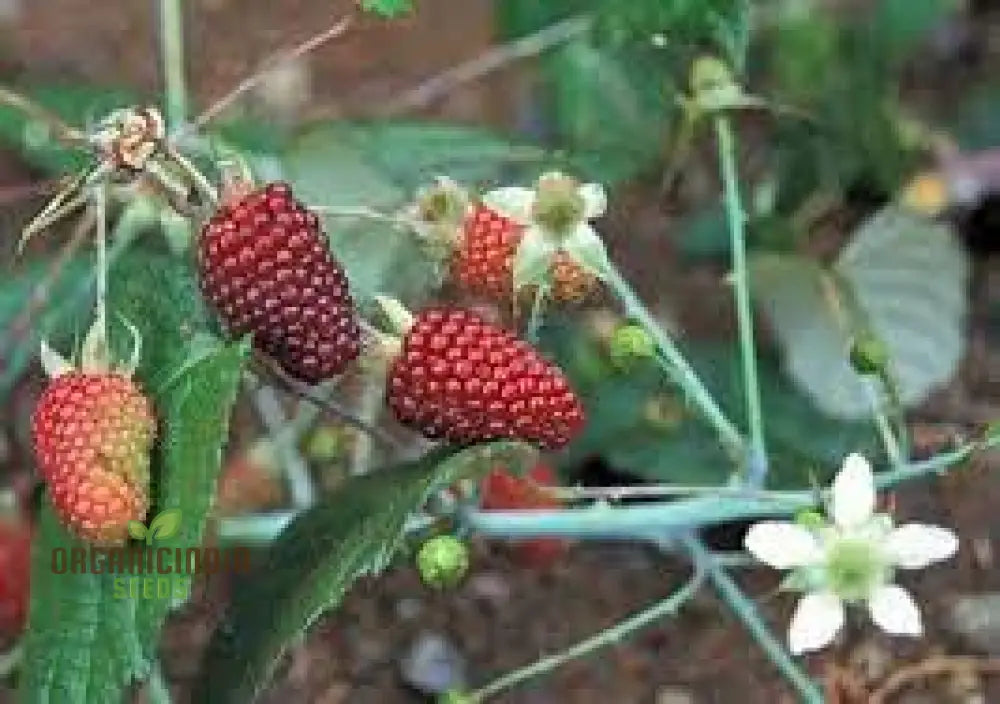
(251, 81)
(440, 85)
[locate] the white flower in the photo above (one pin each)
(849, 560)
(556, 215)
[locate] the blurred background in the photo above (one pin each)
(880, 151)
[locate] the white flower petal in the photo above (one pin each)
(853, 491)
(512, 202)
(585, 247)
(816, 621)
(916, 545)
(782, 545)
(595, 200)
(894, 611)
(533, 258)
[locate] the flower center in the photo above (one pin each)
(558, 205)
(854, 568)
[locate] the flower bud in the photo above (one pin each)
(869, 354)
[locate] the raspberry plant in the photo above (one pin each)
(250, 290)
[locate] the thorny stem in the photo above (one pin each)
(609, 636)
(744, 608)
(737, 231)
(172, 59)
(677, 366)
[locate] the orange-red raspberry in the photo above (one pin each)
(93, 434)
(483, 260)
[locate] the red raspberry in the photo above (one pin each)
(265, 266)
(92, 435)
(503, 491)
(460, 378)
(15, 572)
(483, 261)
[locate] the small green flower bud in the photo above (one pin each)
(869, 354)
(811, 520)
(630, 343)
(443, 561)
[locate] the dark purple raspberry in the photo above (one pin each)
(265, 267)
(462, 379)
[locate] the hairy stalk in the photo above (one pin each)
(172, 60)
(609, 636)
(736, 218)
(677, 366)
(747, 612)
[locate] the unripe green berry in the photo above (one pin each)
(443, 561)
(869, 354)
(630, 343)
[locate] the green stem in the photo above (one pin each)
(101, 242)
(882, 423)
(746, 610)
(736, 219)
(677, 367)
(157, 688)
(535, 321)
(172, 57)
(602, 521)
(615, 634)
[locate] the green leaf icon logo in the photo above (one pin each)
(165, 525)
(137, 530)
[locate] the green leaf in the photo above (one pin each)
(137, 530)
(193, 378)
(387, 8)
(82, 643)
(66, 298)
(352, 533)
(87, 642)
(381, 165)
(900, 277)
(166, 524)
(640, 424)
